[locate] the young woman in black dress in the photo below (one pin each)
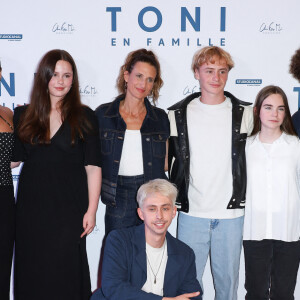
(59, 185)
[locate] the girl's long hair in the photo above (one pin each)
(287, 124)
(34, 126)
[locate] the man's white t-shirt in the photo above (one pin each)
(210, 141)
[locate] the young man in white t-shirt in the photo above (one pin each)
(207, 163)
(145, 261)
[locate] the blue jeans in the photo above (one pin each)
(124, 214)
(222, 240)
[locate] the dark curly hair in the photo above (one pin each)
(295, 65)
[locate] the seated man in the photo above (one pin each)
(145, 262)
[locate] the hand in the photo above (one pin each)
(183, 296)
(89, 222)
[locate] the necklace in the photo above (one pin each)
(159, 263)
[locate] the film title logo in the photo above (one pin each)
(187, 19)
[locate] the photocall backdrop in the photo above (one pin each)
(260, 35)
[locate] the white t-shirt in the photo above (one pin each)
(273, 189)
(157, 260)
(131, 162)
(210, 141)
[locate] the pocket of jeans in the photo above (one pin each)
(159, 145)
(120, 208)
(106, 140)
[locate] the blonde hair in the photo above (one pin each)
(207, 54)
(160, 186)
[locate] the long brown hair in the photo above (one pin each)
(34, 125)
(287, 124)
(141, 55)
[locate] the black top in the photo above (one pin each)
(6, 146)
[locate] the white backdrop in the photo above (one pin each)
(260, 35)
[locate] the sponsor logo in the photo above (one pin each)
(63, 28)
(12, 37)
(190, 90)
(88, 91)
(253, 82)
(270, 28)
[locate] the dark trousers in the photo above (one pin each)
(124, 214)
(271, 268)
(7, 237)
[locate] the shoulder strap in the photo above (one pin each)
(7, 123)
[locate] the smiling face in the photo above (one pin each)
(61, 81)
(157, 212)
(212, 77)
(272, 112)
(140, 80)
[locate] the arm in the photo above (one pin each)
(93, 171)
(117, 261)
(94, 186)
(166, 159)
(184, 296)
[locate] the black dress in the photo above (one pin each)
(50, 257)
(7, 212)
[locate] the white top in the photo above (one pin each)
(131, 162)
(158, 258)
(273, 194)
(210, 189)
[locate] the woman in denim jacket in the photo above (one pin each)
(133, 136)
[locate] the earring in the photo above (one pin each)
(125, 86)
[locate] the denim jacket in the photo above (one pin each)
(155, 132)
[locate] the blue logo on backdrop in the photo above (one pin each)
(188, 20)
(10, 88)
(249, 82)
(270, 28)
(11, 37)
(297, 90)
(63, 28)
